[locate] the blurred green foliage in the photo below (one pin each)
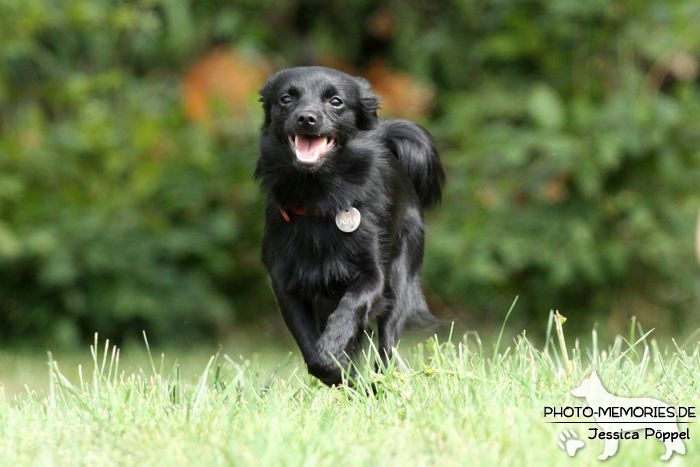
(569, 129)
(116, 214)
(571, 132)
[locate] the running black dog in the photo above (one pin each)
(343, 240)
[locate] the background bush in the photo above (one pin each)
(569, 130)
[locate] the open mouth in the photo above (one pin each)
(309, 149)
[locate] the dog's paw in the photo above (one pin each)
(569, 442)
(330, 355)
(325, 369)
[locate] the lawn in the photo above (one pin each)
(450, 402)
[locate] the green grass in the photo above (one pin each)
(441, 403)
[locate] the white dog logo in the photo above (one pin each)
(613, 428)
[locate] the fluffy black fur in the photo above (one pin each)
(330, 284)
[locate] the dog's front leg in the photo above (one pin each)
(298, 317)
(349, 320)
(609, 449)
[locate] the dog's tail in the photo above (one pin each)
(413, 147)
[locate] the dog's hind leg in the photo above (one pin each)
(391, 320)
(405, 301)
(672, 446)
(389, 328)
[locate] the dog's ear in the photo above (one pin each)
(265, 99)
(369, 104)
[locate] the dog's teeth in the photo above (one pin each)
(296, 142)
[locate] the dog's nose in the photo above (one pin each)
(307, 119)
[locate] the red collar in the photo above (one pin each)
(299, 212)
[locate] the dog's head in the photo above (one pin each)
(316, 110)
(590, 384)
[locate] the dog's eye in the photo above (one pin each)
(286, 99)
(335, 102)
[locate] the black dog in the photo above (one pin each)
(343, 238)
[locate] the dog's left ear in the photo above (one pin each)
(369, 104)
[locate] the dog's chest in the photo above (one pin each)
(313, 254)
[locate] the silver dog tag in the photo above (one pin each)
(348, 220)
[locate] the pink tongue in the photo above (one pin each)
(309, 148)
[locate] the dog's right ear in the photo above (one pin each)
(369, 104)
(265, 99)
